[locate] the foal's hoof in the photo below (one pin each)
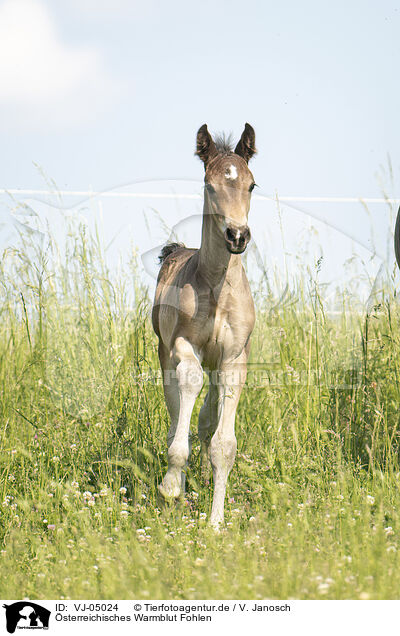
(216, 523)
(216, 527)
(169, 487)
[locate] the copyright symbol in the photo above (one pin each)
(137, 607)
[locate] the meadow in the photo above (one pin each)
(313, 508)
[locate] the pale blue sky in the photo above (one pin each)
(102, 93)
(317, 80)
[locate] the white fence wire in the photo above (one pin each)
(171, 195)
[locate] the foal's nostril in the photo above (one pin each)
(237, 238)
(230, 234)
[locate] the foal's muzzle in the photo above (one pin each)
(236, 239)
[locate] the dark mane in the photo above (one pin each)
(224, 143)
(168, 249)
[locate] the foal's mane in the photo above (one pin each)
(224, 143)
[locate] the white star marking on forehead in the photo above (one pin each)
(231, 172)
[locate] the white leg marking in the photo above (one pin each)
(189, 380)
(223, 444)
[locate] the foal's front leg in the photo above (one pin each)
(189, 380)
(223, 444)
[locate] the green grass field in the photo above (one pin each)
(313, 507)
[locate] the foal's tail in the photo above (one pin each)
(169, 249)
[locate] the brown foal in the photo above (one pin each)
(203, 315)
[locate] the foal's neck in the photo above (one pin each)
(216, 264)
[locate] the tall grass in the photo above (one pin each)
(313, 502)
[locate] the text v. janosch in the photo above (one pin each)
(222, 607)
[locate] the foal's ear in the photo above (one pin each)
(246, 147)
(205, 146)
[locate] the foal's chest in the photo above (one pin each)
(228, 331)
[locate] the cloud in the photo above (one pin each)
(45, 82)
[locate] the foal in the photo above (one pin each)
(203, 315)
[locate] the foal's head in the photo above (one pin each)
(228, 184)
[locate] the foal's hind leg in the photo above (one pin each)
(208, 420)
(185, 382)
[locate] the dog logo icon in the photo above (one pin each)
(26, 615)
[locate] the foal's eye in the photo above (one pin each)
(210, 188)
(253, 185)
